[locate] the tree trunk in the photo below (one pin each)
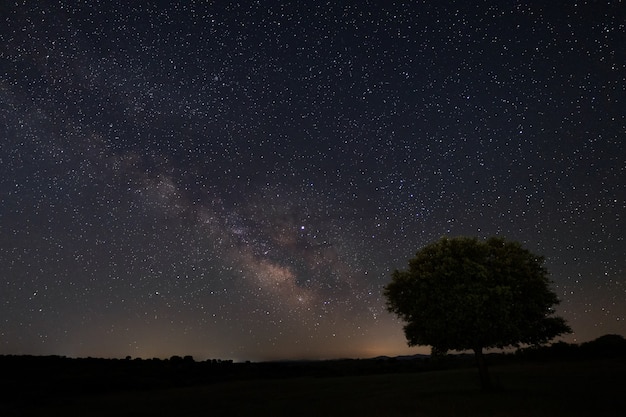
(485, 381)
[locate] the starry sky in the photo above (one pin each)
(237, 180)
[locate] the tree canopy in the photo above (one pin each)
(463, 293)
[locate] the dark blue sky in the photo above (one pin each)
(238, 180)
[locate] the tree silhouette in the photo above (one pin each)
(466, 294)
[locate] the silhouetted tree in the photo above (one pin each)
(467, 294)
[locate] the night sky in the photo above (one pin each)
(237, 180)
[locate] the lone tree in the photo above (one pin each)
(468, 294)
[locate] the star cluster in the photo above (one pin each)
(238, 179)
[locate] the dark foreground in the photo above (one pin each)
(593, 387)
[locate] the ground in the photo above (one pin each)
(564, 388)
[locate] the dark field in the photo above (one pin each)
(593, 387)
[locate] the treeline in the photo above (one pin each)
(58, 376)
(607, 346)
(34, 378)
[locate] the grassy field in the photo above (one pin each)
(588, 388)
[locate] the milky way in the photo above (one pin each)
(238, 180)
